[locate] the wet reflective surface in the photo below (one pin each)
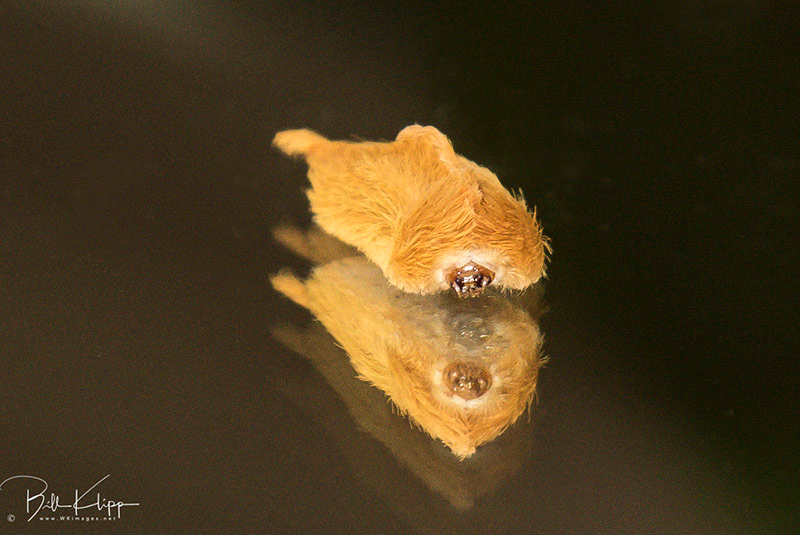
(140, 336)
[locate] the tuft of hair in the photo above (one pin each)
(292, 287)
(297, 142)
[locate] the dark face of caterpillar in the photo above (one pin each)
(469, 280)
(467, 381)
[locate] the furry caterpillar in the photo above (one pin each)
(429, 218)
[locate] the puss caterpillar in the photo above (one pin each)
(429, 218)
(463, 370)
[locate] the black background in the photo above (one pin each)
(658, 140)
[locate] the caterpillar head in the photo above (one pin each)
(470, 279)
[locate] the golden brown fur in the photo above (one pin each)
(417, 209)
(401, 343)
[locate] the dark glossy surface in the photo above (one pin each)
(137, 194)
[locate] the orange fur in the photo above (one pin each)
(401, 343)
(417, 209)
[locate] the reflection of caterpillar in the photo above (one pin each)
(429, 218)
(462, 370)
